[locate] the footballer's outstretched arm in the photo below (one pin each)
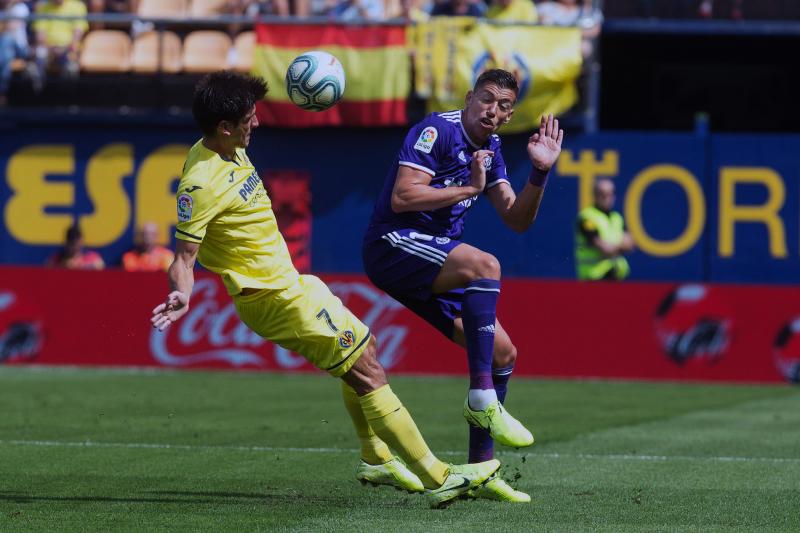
(181, 282)
(413, 192)
(517, 211)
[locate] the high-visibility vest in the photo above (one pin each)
(590, 263)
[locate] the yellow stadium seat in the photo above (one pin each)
(106, 51)
(245, 44)
(206, 51)
(207, 8)
(162, 8)
(145, 52)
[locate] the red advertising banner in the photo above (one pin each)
(560, 329)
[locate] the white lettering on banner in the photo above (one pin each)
(206, 321)
(210, 324)
(287, 359)
(378, 318)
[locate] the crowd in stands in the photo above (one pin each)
(66, 47)
(147, 255)
(704, 9)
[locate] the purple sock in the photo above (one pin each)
(478, 315)
(481, 445)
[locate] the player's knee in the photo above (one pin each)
(367, 374)
(505, 356)
(487, 267)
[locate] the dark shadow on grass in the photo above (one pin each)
(213, 494)
(216, 498)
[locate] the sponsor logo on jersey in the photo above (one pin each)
(442, 240)
(184, 208)
(347, 339)
(462, 157)
(426, 140)
(249, 186)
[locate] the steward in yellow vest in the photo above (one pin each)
(601, 239)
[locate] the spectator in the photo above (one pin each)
(349, 10)
(512, 11)
(74, 256)
(412, 11)
(601, 238)
(13, 43)
(147, 255)
(580, 13)
(59, 40)
(284, 8)
(255, 8)
(459, 8)
(112, 7)
(706, 9)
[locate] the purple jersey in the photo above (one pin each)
(438, 146)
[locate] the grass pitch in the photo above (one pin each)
(106, 450)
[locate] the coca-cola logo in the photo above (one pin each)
(211, 332)
(377, 310)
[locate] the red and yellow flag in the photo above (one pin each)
(376, 66)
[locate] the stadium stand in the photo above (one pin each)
(145, 56)
(206, 51)
(162, 8)
(106, 51)
(244, 44)
(207, 8)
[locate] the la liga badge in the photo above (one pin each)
(184, 207)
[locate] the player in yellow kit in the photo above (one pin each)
(225, 221)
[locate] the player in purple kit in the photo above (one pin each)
(412, 248)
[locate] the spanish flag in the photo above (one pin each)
(376, 66)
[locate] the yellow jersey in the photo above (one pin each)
(516, 11)
(60, 32)
(223, 207)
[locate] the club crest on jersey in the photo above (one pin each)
(487, 162)
(184, 207)
(347, 339)
(426, 140)
(442, 240)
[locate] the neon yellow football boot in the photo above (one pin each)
(497, 489)
(503, 427)
(460, 479)
(393, 473)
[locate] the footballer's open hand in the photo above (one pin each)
(544, 146)
(175, 306)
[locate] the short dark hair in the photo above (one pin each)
(225, 95)
(73, 233)
(502, 78)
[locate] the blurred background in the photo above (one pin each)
(684, 108)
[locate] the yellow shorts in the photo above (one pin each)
(308, 319)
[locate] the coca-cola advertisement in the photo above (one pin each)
(560, 328)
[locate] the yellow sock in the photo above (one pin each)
(390, 420)
(373, 450)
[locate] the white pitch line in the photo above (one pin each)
(528, 455)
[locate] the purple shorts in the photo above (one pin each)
(403, 263)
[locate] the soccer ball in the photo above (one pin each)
(315, 80)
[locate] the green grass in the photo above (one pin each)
(276, 452)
